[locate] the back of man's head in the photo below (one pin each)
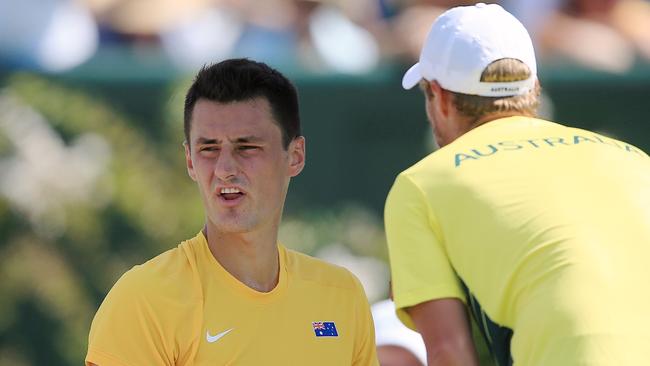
(504, 70)
(484, 56)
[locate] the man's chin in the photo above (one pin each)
(231, 226)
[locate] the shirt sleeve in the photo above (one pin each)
(127, 330)
(365, 349)
(420, 268)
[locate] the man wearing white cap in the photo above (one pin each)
(542, 230)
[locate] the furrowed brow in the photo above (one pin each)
(247, 139)
(238, 140)
(206, 141)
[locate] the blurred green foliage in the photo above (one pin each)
(55, 275)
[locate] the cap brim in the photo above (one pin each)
(412, 77)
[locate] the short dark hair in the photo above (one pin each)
(237, 80)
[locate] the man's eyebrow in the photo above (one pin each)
(247, 139)
(238, 140)
(206, 141)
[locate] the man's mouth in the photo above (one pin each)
(230, 193)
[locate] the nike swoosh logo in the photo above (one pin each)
(216, 337)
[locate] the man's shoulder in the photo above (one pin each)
(504, 134)
(320, 272)
(168, 274)
(418, 177)
(157, 302)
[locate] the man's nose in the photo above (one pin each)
(226, 166)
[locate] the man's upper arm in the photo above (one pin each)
(420, 268)
(445, 328)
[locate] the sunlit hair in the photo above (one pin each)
(503, 70)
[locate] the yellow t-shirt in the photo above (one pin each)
(543, 230)
(184, 308)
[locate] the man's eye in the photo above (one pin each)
(209, 148)
(248, 147)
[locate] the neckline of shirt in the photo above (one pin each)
(222, 275)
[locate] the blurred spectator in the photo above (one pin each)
(341, 44)
(396, 344)
(142, 19)
(350, 37)
(608, 35)
(632, 19)
(47, 35)
(605, 35)
(314, 34)
(209, 37)
(413, 21)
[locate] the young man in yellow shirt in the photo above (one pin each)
(233, 295)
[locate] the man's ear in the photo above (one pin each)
(188, 161)
(297, 152)
(442, 98)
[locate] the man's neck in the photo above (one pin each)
(491, 117)
(252, 258)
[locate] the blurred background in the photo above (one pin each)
(92, 176)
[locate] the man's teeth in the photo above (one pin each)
(229, 190)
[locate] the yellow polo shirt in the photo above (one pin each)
(184, 308)
(544, 231)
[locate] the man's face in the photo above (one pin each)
(236, 157)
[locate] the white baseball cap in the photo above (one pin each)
(389, 331)
(463, 41)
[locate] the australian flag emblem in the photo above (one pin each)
(325, 329)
